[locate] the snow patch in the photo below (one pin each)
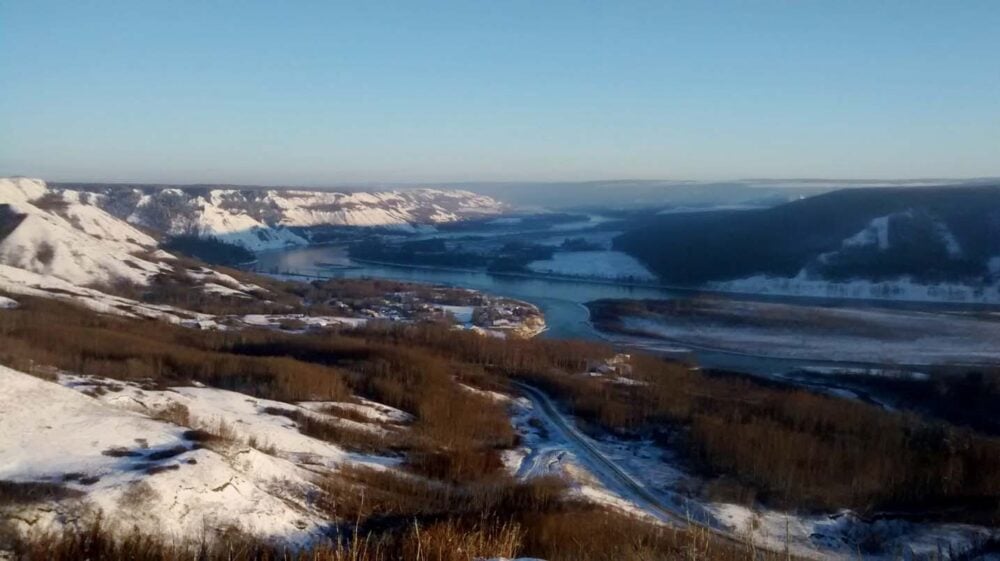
(876, 233)
(462, 314)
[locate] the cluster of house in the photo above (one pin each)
(619, 365)
(496, 316)
(503, 313)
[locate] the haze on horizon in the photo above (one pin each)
(333, 93)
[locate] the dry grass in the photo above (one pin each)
(353, 439)
(175, 413)
(21, 492)
(573, 536)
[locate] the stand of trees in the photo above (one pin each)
(783, 446)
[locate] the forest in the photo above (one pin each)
(750, 441)
(453, 500)
(694, 248)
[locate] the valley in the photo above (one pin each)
(499, 281)
(565, 301)
(321, 392)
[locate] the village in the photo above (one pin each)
(354, 304)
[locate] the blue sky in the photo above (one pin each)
(332, 93)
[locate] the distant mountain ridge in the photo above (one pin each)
(923, 235)
(260, 219)
(681, 194)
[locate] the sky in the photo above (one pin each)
(330, 93)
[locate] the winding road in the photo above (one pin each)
(678, 511)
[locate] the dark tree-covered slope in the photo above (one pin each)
(929, 233)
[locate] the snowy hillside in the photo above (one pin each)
(58, 244)
(111, 447)
(268, 219)
(910, 238)
(60, 234)
(870, 265)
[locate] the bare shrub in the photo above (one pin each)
(335, 410)
(52, 201)
(26, 492)
(176, 413)
(336, 433)
(45, 253)
(137, 495)
(452, 540)
(262, 445)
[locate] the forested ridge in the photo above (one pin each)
(693, 248)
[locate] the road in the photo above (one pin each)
(682, 513)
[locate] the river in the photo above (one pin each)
(561, 300)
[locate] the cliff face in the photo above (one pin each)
(268, 219)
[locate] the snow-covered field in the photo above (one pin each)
(841, 334)
(102, 441)
(612, 265)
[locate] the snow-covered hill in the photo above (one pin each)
(59, 244)
(61, 234)
(268, 219)
(907, 237)
(107, 447)
(871, 265)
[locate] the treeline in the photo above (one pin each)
(961, 396)
(319, 297)
(209, 249)
(42, 332)
(512, 256)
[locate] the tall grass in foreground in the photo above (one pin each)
(566, 539)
